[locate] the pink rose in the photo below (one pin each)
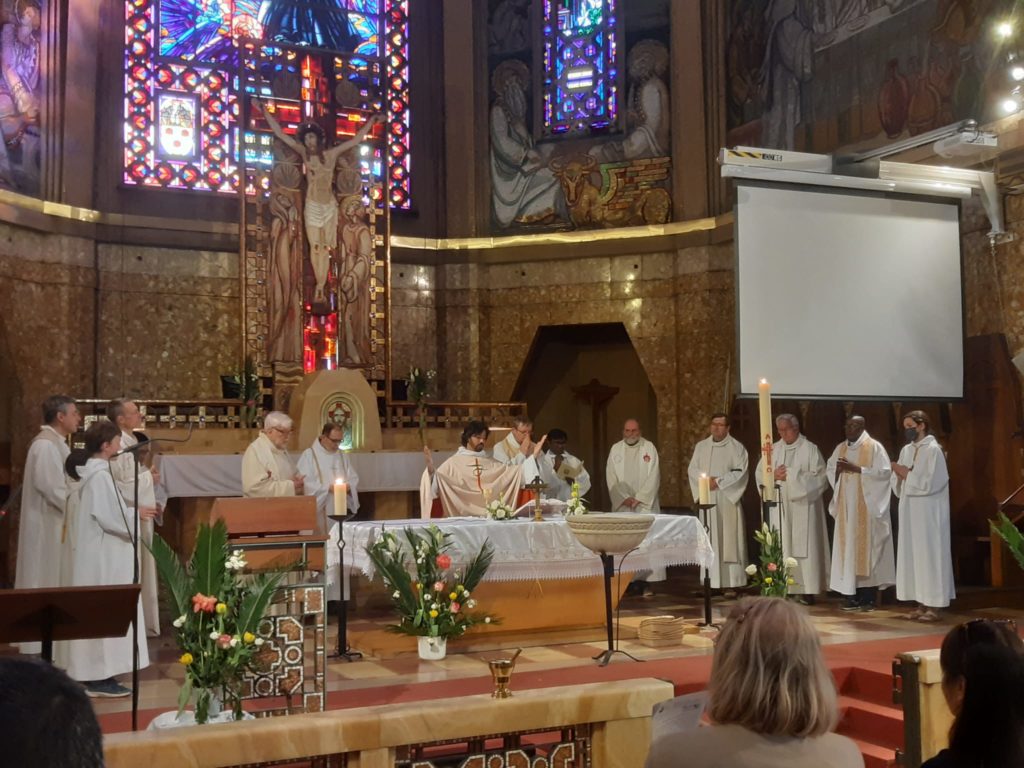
(773, 567)
(224, 641)
(456, 607)
(438, 586)
(443, 561)
(201, 602)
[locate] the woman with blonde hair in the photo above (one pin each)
(772, 700)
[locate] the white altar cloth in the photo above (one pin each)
(525, 550)
(210, 475)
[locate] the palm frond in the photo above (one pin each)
(1010, 533)
(478, 566)
(254, 604)
(173, 574)
(209, 558)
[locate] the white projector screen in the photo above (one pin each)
(848, 295)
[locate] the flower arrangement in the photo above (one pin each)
(576, 505)
(432, 599)
(418, 383)
(250, 390)
(499, 510)
(774, 575)
(219, 611)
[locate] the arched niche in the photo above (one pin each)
(342, 396)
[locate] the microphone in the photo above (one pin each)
(153, 441)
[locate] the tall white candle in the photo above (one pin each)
(764, 396)
(704, 489)
(340, 498)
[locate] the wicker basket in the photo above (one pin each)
(611, 534)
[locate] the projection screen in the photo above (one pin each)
(848, 294)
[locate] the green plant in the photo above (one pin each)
(418, 389)
(219, 611)
(1010, 533)
(774, 574)
(431, 598)
(250, 391)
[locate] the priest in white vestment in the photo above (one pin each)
(467, 481)
(862, 554)
(633, 475)
(800, 475)
(43, 496)
(924, 560)
(267, 471)
(104, 556)
(517, 447)
(321, 466)
(559, 469)
(126, 415)
(724, 460)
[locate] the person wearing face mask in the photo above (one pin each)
(924, 561)
(725, 462)
(862, 556)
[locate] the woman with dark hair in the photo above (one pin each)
(982, 679)
(104, 531)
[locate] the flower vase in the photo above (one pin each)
(433, 648)
(208, 705)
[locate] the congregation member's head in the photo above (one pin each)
(61, 413)
(768, 674)
(916, 426)
(982, 678)
(125, 414)
(331, 436)
(855, 426)
(631, 432)
(719, 427)
(277, 426)
(522, 427)
(788, 426)
(46, 720)
(474, 436)
(557, 440)
(102, 439)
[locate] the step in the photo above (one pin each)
(869, 685)
(871, 722)
(876, 756)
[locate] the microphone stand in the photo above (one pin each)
(135, 560)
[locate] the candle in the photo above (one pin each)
(340, 498)
(764, 396)
(704, 489)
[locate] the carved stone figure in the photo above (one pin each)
(354, 267)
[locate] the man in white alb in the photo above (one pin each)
(633, 475)
(267, 471)
(126, 417)
(559, 469)
(518, 447)
(725, 462)
(862, 557)
(800, 475)
(43, 495)
(924, 561)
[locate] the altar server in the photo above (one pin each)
(800, 475)
(862, 557)
(920, 480)
(559, 469)
(724, 460)
(126, 415)
(43, 495)
(266, 468)
(103, 556)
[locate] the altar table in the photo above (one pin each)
(541, 577)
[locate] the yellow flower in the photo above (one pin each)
(791, 581)
(433, 614)
(222, 608)
(186, 659)
(452, 595)
(768, 580)
(248, 637)
(460, 588)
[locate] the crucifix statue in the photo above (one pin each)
(536, 486)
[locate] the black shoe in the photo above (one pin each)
(850, 606)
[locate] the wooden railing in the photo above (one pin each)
(595, 724)
(917, 688)
(447, 415)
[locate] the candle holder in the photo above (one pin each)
(767, 504)
(702, 515)
(344, 651)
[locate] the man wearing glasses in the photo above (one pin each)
(266, 469)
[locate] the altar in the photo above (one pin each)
(541, 577)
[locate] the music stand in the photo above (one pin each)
(344, 652)
(66, 613)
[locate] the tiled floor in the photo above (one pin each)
(159, 683)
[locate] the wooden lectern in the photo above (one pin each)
(66, 613)
(274, 533)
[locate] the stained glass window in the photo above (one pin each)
(581, 67)
(181, 84)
